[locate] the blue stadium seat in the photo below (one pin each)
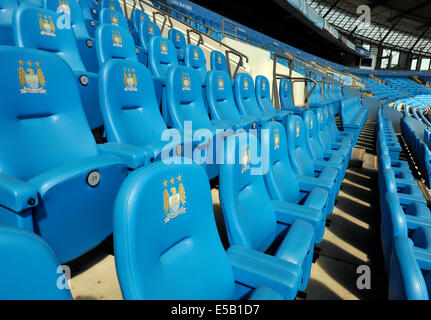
(406, 279)
(333, 129)
(413, 221)
(147, 30)
(133, 123)
(263, 97)
(218, 61)
(139, 17)
(109, 16)
(66, 192)
(7, 8)
(245, 98)
(328, 142)
(77, 22)
(353, 115)
(114, 43)
(161, 57)
(186, 104)
(408, 191)
(316, 150)
(178, 240)
(221, 102)
(302, 164)
(91, 15)
(29, 269)
(179, 41)
(34, 28)
(111, 4)
(304, 204)
(195, 59)
(251, 218)
(286, 99)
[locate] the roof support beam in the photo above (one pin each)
(390, 29)
(419, 38)
(404, 13)
(331, 8)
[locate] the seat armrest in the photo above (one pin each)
(406, 182)
(253, 268)
(320, 165)
(317, 199)
(133, 156)
(423, 258)
(288, 213)
(16, 195)
(49, 179)
(416, 222)
(308, 183)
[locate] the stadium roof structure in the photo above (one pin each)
(404, 25)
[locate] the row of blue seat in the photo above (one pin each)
(48, 118)
(405, 222)
(353, 115)
(418, 148)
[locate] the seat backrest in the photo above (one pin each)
(23, 253)
(406, 281)
(114, 43)
(185, 98)
(263, 94)
(6, 12)
(40, 101)
(311, 135)
(220, 97)
(173, 251)
(286, 95)
(111, 4)
(36, 28)
(393, 223)
(72, 8)
(179, 41)
(128, 103)
(247, 208)
(245, 96)
(37, 3)
(113, 17)
(297, 149)
(218, 61)
(322, 134)
(195, 59)
(161, 56)
(137, 17)
(280, 169)
(147, 30)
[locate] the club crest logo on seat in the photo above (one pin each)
(114, 19)
(195, 55)
(173, 201)
(63, 7)
(220, 83)
(186, 81)
(245, 158)
(117, 41)
(286, 86)
(263, 85)
(177, 36)
(46, 25)
(163, 47)
(311, 123)
(30, 81)
(111, 6)
(297, 129)
(130, 81)
(142, 16)
(276, 139)
(151, 30)
(245, 84)
(219, 58)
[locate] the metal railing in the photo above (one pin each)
(192, 30)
